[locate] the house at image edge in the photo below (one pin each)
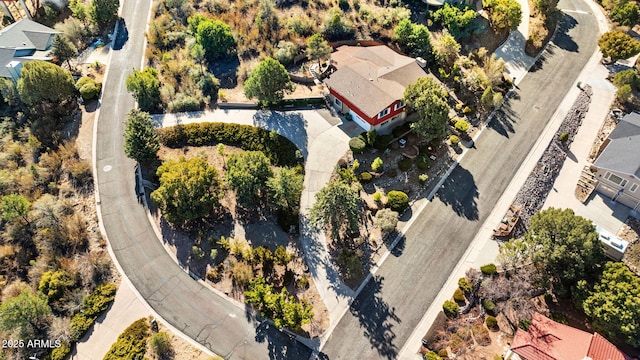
(369, 84)
(22, 41)
(548, 340)
(618, 164)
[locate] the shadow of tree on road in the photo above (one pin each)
(281, 345)
(376, 318)
(503, 120)
(289, 124)
(562, 39)
(461, 193)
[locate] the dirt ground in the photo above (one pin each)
(630, 231)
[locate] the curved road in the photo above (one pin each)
(187, 305)
(382, 317)
(388, 309)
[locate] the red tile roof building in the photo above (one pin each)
(548, 340)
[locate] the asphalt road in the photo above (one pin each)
(385, 313)
(198, 312)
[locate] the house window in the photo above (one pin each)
(384, 113)
(633, 187)
(399, 105)
(338, 102)
(615, 179)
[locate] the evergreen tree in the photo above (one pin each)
(140, 139)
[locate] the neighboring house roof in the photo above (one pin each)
(26, 36)
(621, 153)
(549, 340)
(373, 77)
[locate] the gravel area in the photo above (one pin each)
(533, 193)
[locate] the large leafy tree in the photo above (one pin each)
(189, 190)
(626, 14)
(503, 14)
(25, 316)
(15, 206)
(215, 37)
(545, 7)
(145, 88)
(565, 246)
(268, 82)
(104, 13)
(50, 95)
(247, 173)
(617, 45)
(458, 19)
(446, 50)
(337, 208)
(63, 49)
(614, 304)
(285, 188)
(317, 48)
(429, 99)
(414, 38)
(140, 139)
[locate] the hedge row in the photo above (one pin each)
(92, 307)
(132, 343)
(279, 149)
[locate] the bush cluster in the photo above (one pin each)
(489, 306)
(458, 296)
(397, 200)
(405, 164)
(357, 145)
(491, 322)
(93, 306)
(422, 161)
(465, 285)
(488, 269)
(365, 176)
(88, 88)
(450, 308)
(132, 343)
(278, 149)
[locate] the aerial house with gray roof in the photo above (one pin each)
(618, 164)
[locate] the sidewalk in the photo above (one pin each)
(126, 309)
(512, 49)
(483, 249)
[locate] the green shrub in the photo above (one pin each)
(132, 343)
(282, 256)
(88, 88)
(92, 307)
(302, 283)
(627, 77)
(382, 141)
(392, 172)
(376, 165)
(377, 196)
(458, 295)
(214, 274)
(467, 110)
(278, 149)
(397, 200)
(422, 161)
(405, 164)
(160, 345)
(450, 308)
(197, 253)
(488, 269)
(454, 140)
(351, 263)
(401, 129)
(497, 357)
(422, 178)
(347, 175)
(213, 254)
(60, 353)
(524, 324)
(432, 356)
(564, 137)
(184, 103)
(488, 305)
(365, 176)
(465, 285)
(462, 125)
(357, 145)
(443, 353)
(491, 322)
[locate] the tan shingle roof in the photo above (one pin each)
(372, 77)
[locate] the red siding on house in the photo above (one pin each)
(373, 121)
